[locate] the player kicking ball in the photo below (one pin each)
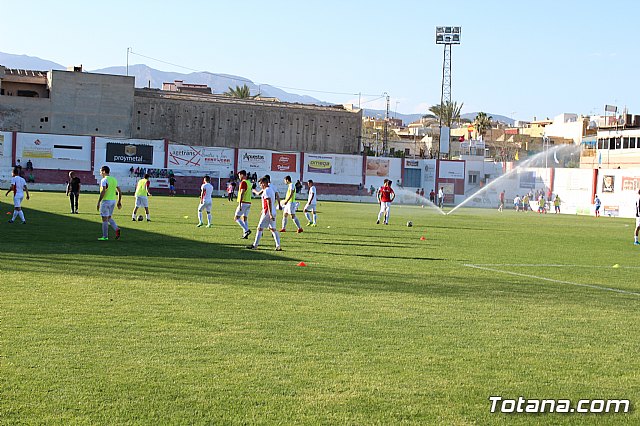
(206, 190)
(142, 200)
(268, 216)
(19, 189)
(290, 206)
(385, 198)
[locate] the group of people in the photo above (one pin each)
(523, 204)
(270, 203)
(111, 197)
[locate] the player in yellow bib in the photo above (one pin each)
(244, 203)
(290, 206)
(109, 192)
(142, 192)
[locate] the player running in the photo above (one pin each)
(206, 190)
(244, 203)
(19, 189)
(311, 205)
(107, 202)
(385, 198)
(268, 216)
(142, 192)
(290, 206)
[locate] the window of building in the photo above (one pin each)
(407, 152)
(632, 142)
(625, 143)
(618, 143)
(473, 178)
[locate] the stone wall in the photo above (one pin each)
(226, 122)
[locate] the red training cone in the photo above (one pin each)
(422, 238)
(301, 264)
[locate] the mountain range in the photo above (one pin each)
(146, 76)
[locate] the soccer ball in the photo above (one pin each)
(409, 224)
(140, 218)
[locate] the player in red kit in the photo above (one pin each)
(385, 198)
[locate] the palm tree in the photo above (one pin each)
(448, 113)
(239, 92)
(482, 123)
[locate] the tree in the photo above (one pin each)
(239, 92)
(449, 112)
(482, 123)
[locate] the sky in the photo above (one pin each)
(521, 59)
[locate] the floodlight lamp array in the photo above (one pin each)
(448, 35)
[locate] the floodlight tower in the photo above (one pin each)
(447, 36)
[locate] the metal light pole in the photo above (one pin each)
(128, 50)
(447, 36)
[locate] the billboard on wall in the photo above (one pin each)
(377, 167)
(630, 183)
(411, 164)
(1, 144)
(607, 183)
(254, 160)
(47, 149)
(319, 164)
(283, 162)
(190, 157)
(129, 153)
(451, 169)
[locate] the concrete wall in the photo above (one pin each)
(224, 122)
(25, 114)
(91, 104)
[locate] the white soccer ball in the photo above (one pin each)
(409, 224)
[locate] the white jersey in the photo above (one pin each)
(269, 194)
(206, 190)
(312, 195)
(18, 183)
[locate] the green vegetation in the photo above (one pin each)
(240, 92)
(178, 325)
(448, 112)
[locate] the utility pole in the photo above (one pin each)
(385, 136)
(128, 50)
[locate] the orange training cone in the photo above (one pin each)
(301, 264)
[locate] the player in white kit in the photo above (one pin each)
(206, 190)
(311, 205)
(268, 216)
(19, 189)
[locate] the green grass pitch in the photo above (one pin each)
(178, 325)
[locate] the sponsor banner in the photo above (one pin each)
(527, 180)
(129, 153)
(35, 148)
(255, 160)
(413, 164)
(47, 149)
(612, 211)
(630, 183)
(198, 157)
(159, 183)
(283, 162)
(377, 167)
(1, 145)
(607, 183)
(451, 169)
(319, 164)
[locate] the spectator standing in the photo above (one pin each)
(73, 191)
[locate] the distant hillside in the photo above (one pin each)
(149, 77)
(28, 62)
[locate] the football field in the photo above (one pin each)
(174, 324)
